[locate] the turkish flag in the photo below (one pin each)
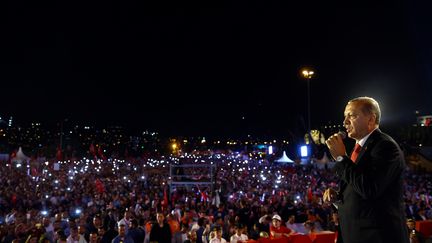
(309, 194)
(165, 200)
(92, 150)
(59, 154)
(100, 188)
(100, 153)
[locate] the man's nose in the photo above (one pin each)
(345, 121)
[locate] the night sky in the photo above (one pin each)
(213, 67)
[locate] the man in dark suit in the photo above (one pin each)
(370, 197)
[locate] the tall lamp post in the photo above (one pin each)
(308, 74)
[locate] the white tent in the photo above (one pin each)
(20, 157)
(285, 159)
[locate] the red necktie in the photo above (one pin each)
(355, 152)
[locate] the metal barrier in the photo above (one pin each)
(189, 175)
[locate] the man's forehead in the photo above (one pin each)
(351, 107)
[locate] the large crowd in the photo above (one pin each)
(112, 200)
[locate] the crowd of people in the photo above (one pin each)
(132, 201)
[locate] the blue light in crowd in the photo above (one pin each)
(304, 151)
(270, 149)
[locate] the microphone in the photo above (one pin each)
(342, 134)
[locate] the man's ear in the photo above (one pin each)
(372, 120)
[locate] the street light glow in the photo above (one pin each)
(307, 73)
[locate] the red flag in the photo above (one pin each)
(34, 172)
(165, 200)
(100, 153)
(428, 122)
(59, 154)
(11, 156)
(100, 188)
(14, 199)
(313, 181)
(204, 197)
(309, 194)
(92, 150)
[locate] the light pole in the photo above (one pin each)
(308, 74)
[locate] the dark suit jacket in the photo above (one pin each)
(371, 205)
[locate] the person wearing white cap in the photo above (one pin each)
(122, 237)
(277, 230)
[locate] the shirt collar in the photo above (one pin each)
(362, 141)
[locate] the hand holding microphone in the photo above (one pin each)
(342, 134)
(336, 145)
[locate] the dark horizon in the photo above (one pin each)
(228, 69)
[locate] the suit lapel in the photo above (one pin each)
(365, 147)
(369, 141)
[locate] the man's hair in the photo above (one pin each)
(369, 106)
(134, 223)
(201, 221)
(217, 228)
